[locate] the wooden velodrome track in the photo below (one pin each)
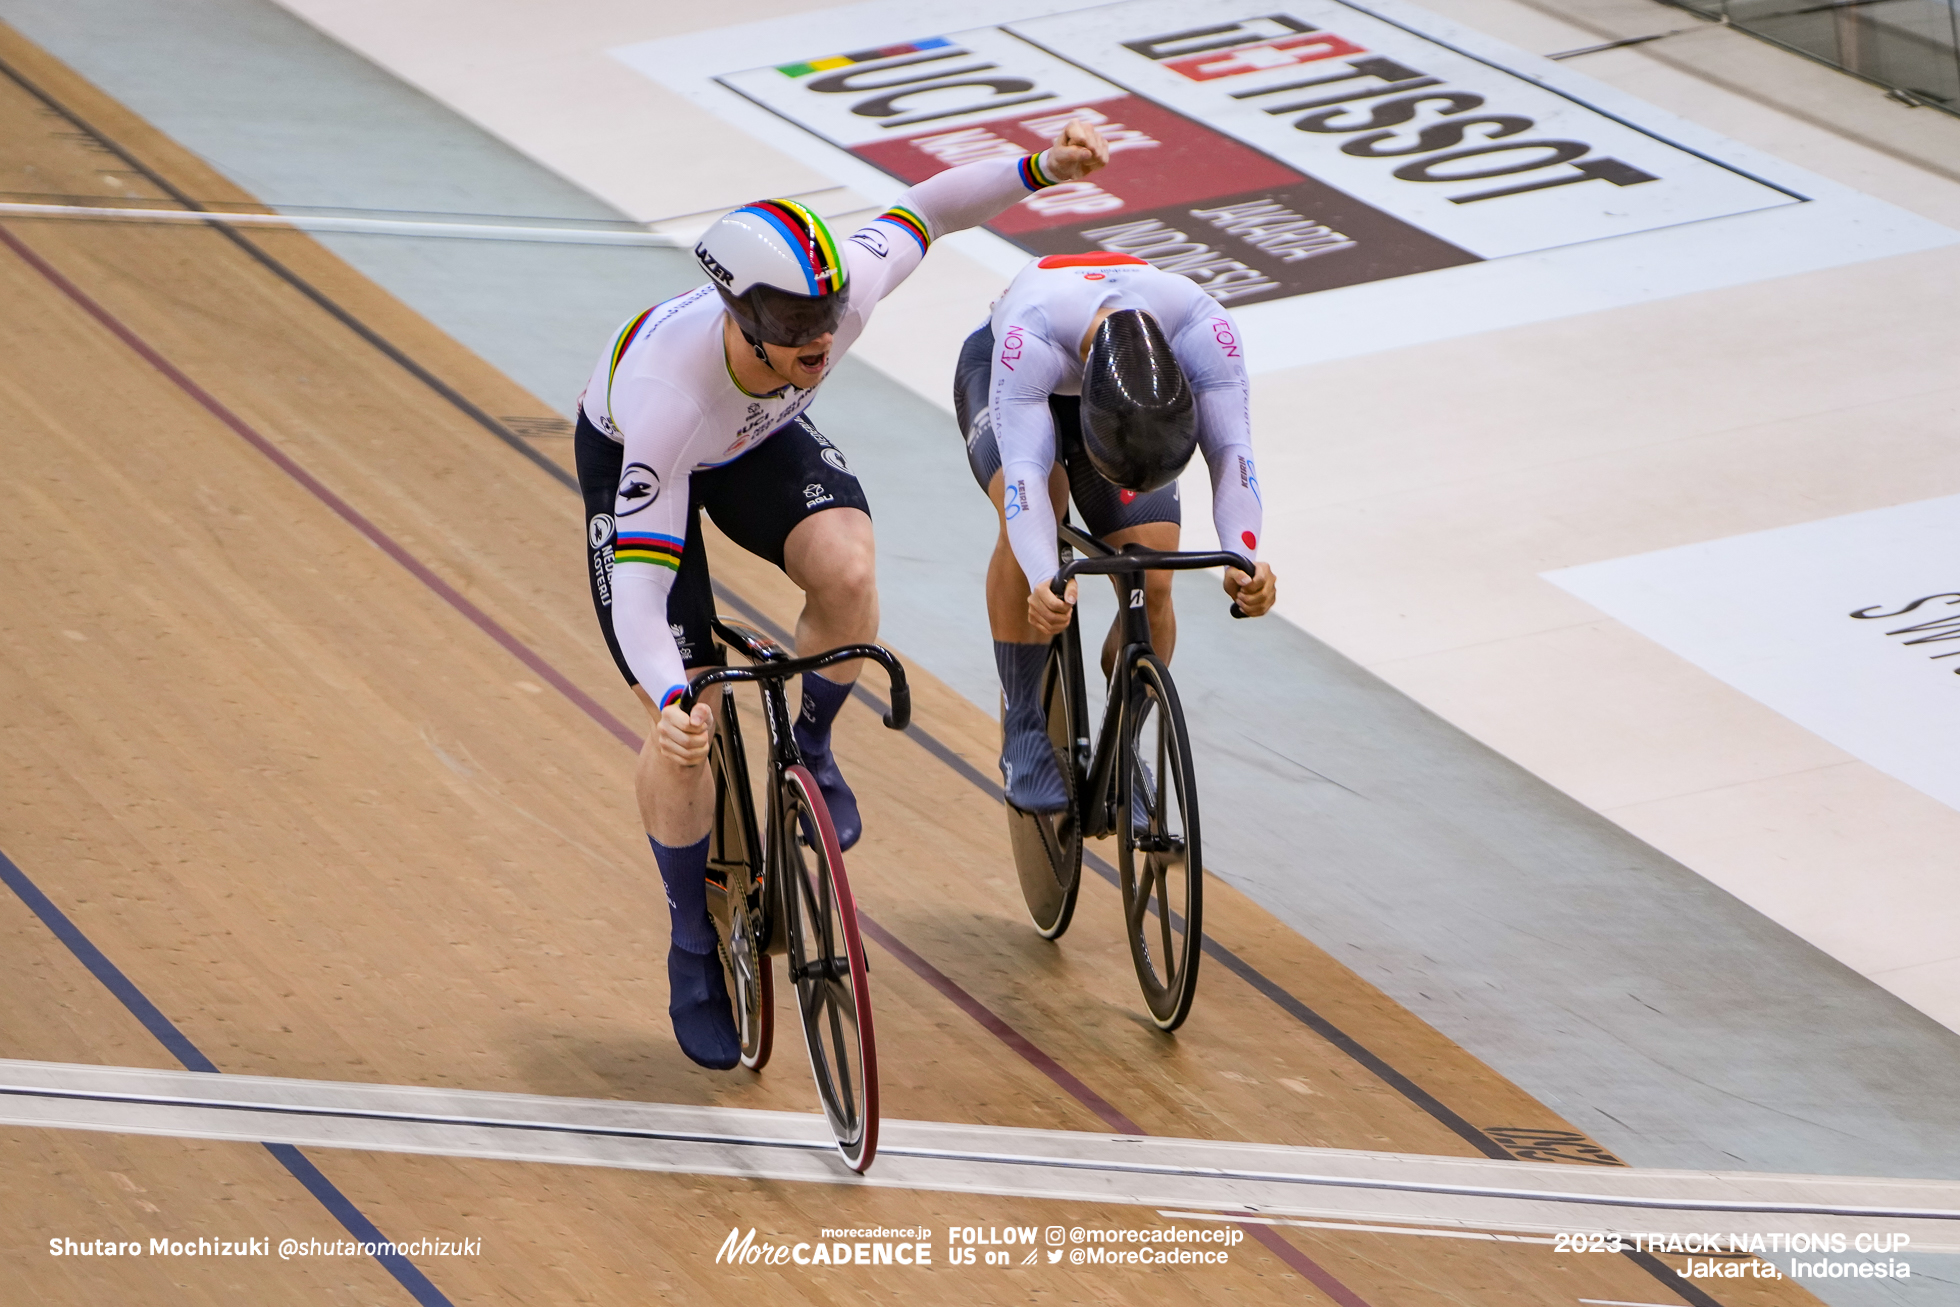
(294, 729)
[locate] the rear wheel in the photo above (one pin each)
(1158, 858)
(826, 964)
(1048, 846)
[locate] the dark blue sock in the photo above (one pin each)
(822, 698)
(684, 870)
(821, 701)
(1027, 759)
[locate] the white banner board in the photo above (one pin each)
(1849, 627)
(1351, 176)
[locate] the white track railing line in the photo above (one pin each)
(472, 231)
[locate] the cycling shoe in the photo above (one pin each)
(704, 1019)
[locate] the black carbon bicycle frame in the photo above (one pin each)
(1127, 565)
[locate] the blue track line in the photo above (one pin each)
(297, 1164)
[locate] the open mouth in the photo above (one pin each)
(812, 362)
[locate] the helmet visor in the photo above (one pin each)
(785, 319)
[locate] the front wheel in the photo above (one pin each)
(736, 897)
(826, 963)
(1158, 858)
(1048, 846)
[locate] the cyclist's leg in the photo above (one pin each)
(676, 803)
(794, 501)
(1123, 517)
(1027, 760)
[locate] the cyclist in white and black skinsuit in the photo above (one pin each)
(1035, 436)
(697, 404)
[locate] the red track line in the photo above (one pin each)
(999, 1029)
(934, 977)
(347, 512)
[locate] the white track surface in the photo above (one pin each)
(1418, 494)
(1205, 1179)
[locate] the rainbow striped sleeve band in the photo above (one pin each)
(1032, 176)
(625, 339)
(908, 222)
(647, 547)
(673, 695)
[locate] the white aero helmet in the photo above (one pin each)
(778, 270)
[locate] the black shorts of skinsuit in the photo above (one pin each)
(756, 500)
(1104, 506)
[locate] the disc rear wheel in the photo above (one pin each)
(1158, 858)
(1048, 845)
(826, 964)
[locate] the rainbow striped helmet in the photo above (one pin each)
(778, 270)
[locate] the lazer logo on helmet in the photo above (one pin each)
(713, 266)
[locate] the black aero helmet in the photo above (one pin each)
(1139, 422)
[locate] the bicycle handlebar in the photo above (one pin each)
(780, 669)
(1135, 559)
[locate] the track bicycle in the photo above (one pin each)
(780, 887)
(1137, 782)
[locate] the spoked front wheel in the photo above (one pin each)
(826, 963)
(1048, 845)
(1161, 872)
